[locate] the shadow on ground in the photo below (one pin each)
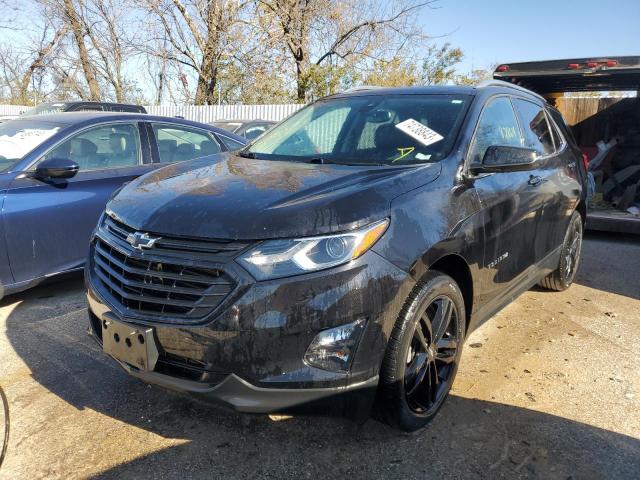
(611, 263)
(468, 439)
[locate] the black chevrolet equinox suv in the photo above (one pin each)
(342, 258)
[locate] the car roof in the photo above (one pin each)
(88, 118)
(416, 90)
(492, 85)
(88, 102)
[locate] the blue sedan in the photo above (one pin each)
(57, 173)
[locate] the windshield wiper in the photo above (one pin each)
(325, 161)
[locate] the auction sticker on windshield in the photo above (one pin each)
(420, 132)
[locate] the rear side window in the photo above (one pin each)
(556, 116)
(86, 108)
(537, 134)
(497, 126)
(555, 132)
(176, 143)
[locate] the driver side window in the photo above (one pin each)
(104, 146)
(497, 126)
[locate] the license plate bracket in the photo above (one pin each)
(135, 346)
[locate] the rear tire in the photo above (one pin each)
(423, 353)
(562, 277)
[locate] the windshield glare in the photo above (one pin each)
(375, 129)
(17, 138)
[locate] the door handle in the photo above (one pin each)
(534, 181)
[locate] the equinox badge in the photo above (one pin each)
(140, 240)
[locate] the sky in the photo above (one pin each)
(502, 31)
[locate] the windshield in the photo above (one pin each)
(19, 137)
(359, 130)
(45, 109)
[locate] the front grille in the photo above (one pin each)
(166, 283)
(215, 250)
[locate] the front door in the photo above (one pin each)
(48, 223)
(510, 202)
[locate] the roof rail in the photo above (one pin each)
(361, 88)
(502, 83)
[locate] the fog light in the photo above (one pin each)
(333, 349)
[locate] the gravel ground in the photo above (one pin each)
(549, 388)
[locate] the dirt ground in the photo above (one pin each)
(549, 388)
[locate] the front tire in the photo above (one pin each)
(423, 353)
(562, 277)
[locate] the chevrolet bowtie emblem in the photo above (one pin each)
(139, 240)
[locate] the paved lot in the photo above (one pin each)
(550, 388)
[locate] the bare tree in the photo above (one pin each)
(103, 22)
(202, 35)
(319, 32)
(25, 65)
(77, 27)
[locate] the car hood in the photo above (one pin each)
(238, 198)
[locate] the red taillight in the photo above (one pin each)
(592, 64)
(574, 66)
(503, 68)
(612, 63)
(585, 160)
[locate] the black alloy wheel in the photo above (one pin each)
(562, 277)
(422, 354)
(431, 356)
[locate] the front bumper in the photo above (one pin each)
(240, 395)
(250, 356)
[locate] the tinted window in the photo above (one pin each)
(254, 131)
(86, 108)
(497, 126)
(126, 108)
(537, 134)
(231, 144)
(558, 141)
(176, 144)
(562, 126)
(369, 129)
(105, 146)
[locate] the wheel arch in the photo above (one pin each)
(456, 267)
(582, 210)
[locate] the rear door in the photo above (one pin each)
(511, 204)
(48, 223)
(554, 179)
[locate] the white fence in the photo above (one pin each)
(205, 114)
(8, 110)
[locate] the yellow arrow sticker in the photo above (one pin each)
(403, 152)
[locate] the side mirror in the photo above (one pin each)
(56, 168)
(502, 158)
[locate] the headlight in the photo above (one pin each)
(333, 349)
(283, 258)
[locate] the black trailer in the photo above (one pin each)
(606, 126)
